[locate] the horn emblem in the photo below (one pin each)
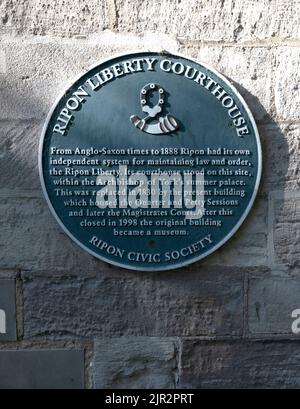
(165, 124)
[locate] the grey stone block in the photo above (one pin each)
(222, 21)
(38, 71)
(32, 239)
(286, 230)
(248, 247)
(79, 17)
(182, 302)
(270, 305)
(3, 67)
(135, 362)
(244, 69)
(287, 77)
(41, 369)
(8, 325)
(210, 20)
(227, 365)
(281, 147)
(29, 92)
(19, 141)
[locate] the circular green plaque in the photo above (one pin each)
(150, 161)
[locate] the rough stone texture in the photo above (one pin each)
(8, 325)
(242, 66)
(135, 362)
(3, 67)
(18, 154)
(212, 20)
(40, 17)
(37, 73)
(248, 247)
(287, 78)
(280, 147)
(270, 305)
(37, 70)
(41, 369)
(228, 365)
(29, 230)
(225, 20)
(287, 230)
(178, 303)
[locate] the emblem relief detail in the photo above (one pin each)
(165, 124)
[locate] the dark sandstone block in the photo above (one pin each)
(42, 369)
(8, 327)
(135, 362)
(264, 364)
(178, 303)
(270, 305)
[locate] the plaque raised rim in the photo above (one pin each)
(243, 216)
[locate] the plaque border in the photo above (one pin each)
(232, 231)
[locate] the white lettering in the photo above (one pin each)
(2, 322)
(296, 323)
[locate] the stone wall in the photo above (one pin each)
(224, 321)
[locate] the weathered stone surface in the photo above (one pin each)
(3, 67)
(268, 364)
(243, 67)
(135, 362)
(182, 302)
(194, 20)
(19, 155)
(31, 238)
(37, 72)
(286, 82)
(8, 325)
(287, 230)
(280, 148)
(270, 305)
(211, 20)
(60, 18)
(8, 274)
(248, 247)
(42, 369)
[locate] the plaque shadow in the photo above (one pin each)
(168, 109)
(273, 144)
